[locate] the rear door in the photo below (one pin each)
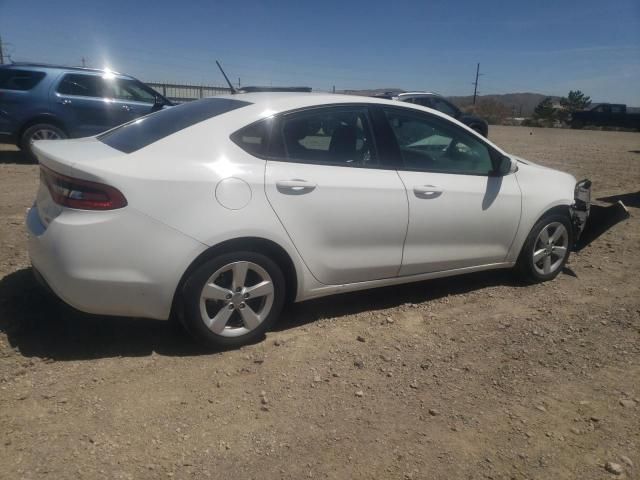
(460, 214)
(85, 102)
(343, 206)
(21, 95)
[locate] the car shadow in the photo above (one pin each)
(631, 199)
(39, 325)
(601, 219)
(11, 155)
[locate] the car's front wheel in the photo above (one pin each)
(233, 299)
(39, 131)
(546, 249)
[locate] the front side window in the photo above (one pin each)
(12, 79)
(131, 90)
(332, 135)
(431, 144)
(83, 86)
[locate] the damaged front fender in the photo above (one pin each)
(581, 207)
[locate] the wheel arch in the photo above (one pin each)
(253, 244)
(41, 118)
(561, 209)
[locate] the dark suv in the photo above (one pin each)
(52, 102)
(438, 102)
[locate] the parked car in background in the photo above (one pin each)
(606, 115)
(49, 102)
(248, 201)
(438, 102)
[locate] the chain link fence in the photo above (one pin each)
(186, 93)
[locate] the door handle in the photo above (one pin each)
(427, 191)
(295, 186)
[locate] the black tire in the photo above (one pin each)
(191, 292)
(478, 129)
(525, 268)
(33, 130)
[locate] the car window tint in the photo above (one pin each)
(332, 135)
(125, 89)
(424, 101)
(145, 130)
(254, 138)
(431, 144)
(11, 79)
(83, 86)
(444, 107)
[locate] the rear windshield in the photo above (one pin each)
(12, 79)
(144, 131)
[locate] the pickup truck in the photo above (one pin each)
(606, 115)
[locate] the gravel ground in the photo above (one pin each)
(469, 377)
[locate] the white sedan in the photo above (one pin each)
(220, 210)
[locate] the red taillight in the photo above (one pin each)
(81, 194)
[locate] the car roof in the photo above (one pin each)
(31, 65)
(282, 101)
(266, 104)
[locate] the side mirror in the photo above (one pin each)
(158, 103)
(506, 166)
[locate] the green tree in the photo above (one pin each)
(576, 100)
(544, 110)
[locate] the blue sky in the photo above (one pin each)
(538, 46)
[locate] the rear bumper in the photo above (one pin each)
(110, 263)
(581, 207)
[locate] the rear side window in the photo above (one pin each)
(254, 138)
(82, 85)
(329, 135)
(146, 130)
(11, 79)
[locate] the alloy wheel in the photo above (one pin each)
(45, 134)
(551, 248)
(236, 299)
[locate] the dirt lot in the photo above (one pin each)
(471, 377)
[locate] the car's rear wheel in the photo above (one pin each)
(546, 249)
(233, 299)
(39, 131)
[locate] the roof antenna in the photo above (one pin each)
(233, 90)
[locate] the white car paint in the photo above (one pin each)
(356, 228)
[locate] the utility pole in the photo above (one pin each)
(1, 52)
(475, 84)
(84, 62)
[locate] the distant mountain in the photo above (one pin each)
(520, 104)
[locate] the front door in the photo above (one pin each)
(344, 210)
(86, 104)
(461, 214)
